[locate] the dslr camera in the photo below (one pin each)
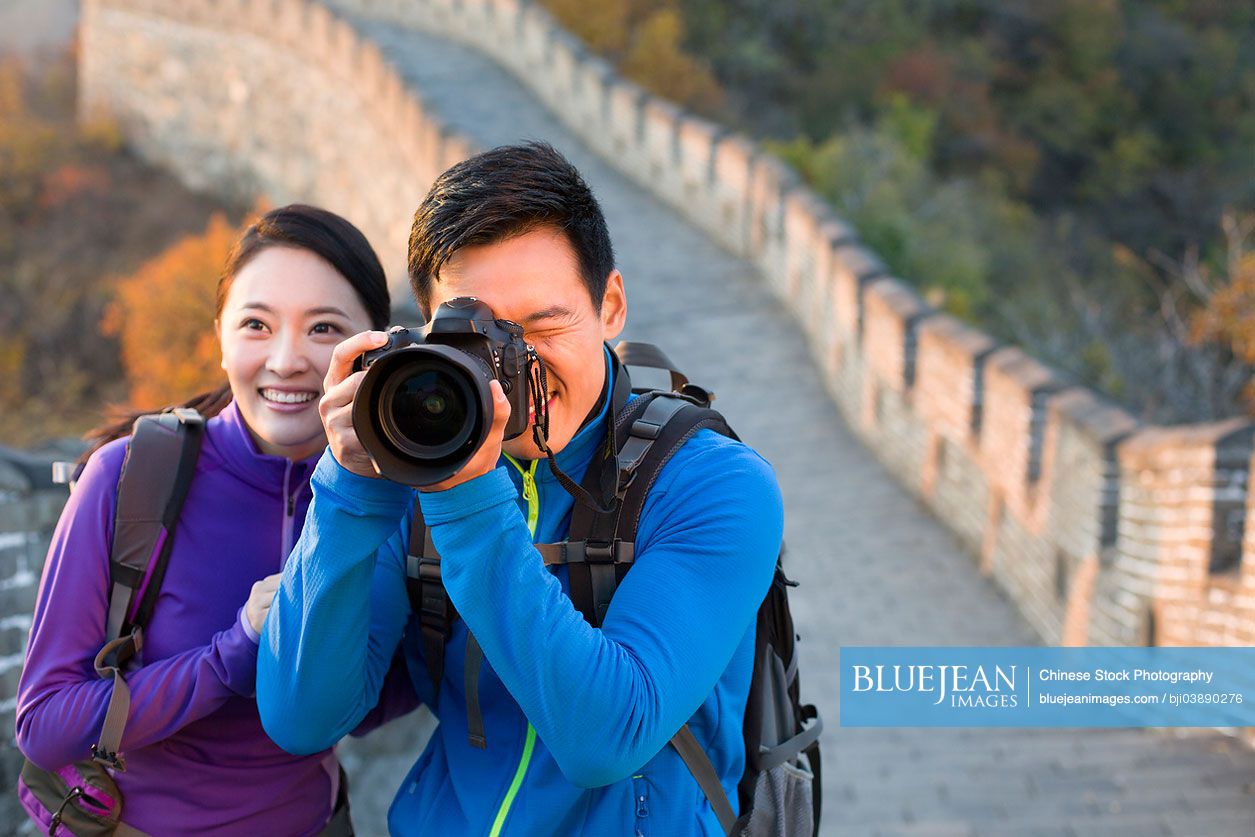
(424, 406)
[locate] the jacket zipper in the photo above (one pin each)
(640, 796)
(532, 497)
(289, 514)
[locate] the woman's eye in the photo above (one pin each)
(253, 324)
(327, 328)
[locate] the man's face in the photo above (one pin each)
(534, 279)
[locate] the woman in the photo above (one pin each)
(298, 282)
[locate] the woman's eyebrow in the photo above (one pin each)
(312, 312)
(326, 309)
(553, 311)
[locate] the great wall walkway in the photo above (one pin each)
(874, 567)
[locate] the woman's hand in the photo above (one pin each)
(258, 604)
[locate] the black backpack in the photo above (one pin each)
(780, 790)
(160, 462)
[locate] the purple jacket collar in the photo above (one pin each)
(231, 440)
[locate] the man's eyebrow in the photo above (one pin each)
(553, 311)
(313, 312)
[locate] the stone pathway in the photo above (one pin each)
(874, 567)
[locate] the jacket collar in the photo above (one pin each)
(234, 444)
(574, 458)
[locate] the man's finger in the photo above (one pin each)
(342, 393)
(345, 353)
(500, 409)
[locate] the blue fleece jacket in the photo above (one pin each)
(577, 719)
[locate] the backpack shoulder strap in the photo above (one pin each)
(435, 611)
(156, 475)
(650, 356)
(427, 595)
(600, 548)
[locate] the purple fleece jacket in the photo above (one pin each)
(198, 761)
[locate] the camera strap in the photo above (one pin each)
(540, 431)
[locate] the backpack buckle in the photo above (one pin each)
(624, 482)
(645, 429)
(599, 552)
(429, 569)
(107, 758)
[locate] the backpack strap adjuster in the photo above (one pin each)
(428, 568)
(645, 429)
(599, 552)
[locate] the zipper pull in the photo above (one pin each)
(641, 790)
(530, 493)
(291, 504)
(532, 496)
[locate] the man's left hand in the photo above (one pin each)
(485, 459)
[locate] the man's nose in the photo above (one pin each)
(289, 357)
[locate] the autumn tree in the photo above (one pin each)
(1228, 317)
(162, 316)
(645, 39)
(75, 209)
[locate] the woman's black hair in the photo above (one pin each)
(323, 233)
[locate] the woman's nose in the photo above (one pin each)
(289, 357)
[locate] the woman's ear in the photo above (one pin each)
(218, 336)
(613, 307)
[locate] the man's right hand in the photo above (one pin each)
(336, 406)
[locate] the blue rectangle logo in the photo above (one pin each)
(1047, 687)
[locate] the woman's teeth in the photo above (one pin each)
(281, 397)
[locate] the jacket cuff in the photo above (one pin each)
(365, 496)
(248, 628)
(239, 659)
(468, 498)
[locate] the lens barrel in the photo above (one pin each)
(422, 411)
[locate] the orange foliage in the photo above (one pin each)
(163, 317)
(70, 181)
(602, 25)
(657, 61)
(1229, 317)
(645, 38)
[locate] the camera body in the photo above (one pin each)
(424, 406)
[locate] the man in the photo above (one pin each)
(576, 719)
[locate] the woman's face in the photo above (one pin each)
(285, 312)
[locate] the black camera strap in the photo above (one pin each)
(540, 430)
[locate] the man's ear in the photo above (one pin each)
(613, 307)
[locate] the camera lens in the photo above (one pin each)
(426, 411)
(422, 410)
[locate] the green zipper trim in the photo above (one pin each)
(533, 516)
(519, 772)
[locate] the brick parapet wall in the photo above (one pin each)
(29, 509)
(1054, 491)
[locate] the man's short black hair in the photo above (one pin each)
(503, 193)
